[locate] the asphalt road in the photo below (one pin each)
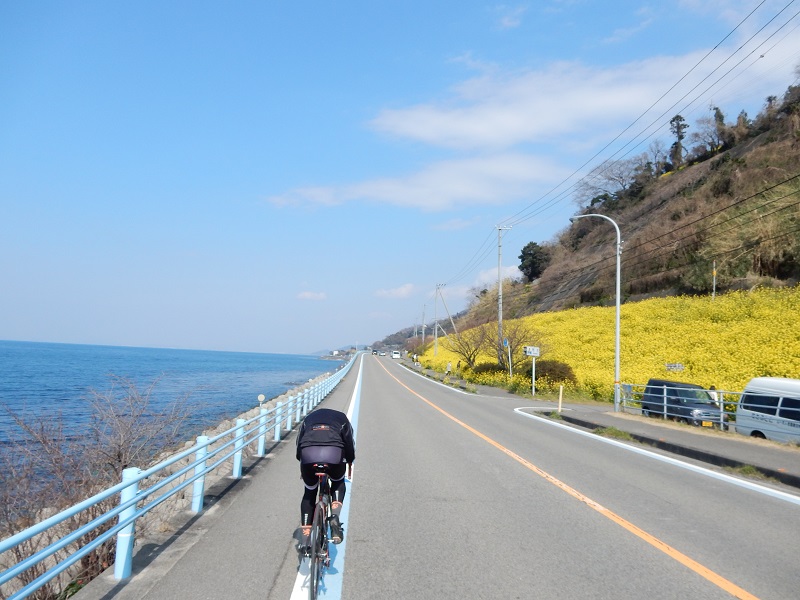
(482, 502)
(459, 496)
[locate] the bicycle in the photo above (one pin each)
(319, 558)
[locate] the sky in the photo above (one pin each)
(299, 176)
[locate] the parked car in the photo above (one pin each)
(770, 408)
(684, 402)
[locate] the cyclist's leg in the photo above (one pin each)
(310, 485)
(309, 499)
(336, 475)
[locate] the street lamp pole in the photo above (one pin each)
(616, 338)
(500, 231)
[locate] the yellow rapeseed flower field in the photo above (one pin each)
(722, 342)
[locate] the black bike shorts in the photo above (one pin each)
(330, 455)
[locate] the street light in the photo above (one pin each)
(616, 340)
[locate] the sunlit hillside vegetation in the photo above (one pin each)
(719, 218)
(724, 341)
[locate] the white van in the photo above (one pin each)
(770, 408)
(395, 354)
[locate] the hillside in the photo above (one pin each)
(734, 206)
(726, 218)
(724, 341)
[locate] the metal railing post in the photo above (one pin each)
(262, 432)
(289, 412)
(198, 488)
(238, 444)
(299, 406)
(278, 419)
(125, 538)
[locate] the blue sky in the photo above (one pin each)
(294, 176)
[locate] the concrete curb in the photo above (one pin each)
(694, 453)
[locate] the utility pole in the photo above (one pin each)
(436, 321)
(447, 310)
(500, 231)
(423, 324)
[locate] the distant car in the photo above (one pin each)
(383, 353)
(375, 352)
(685, 402)
(395, 354)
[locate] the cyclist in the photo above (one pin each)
(325, 436)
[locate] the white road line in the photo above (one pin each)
(755, 487)
(331, 586)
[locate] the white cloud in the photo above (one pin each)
(488, 278)
(314, 296)
(485, 180)
(728, 11)
(490, 180)
(510, 16)
(404, 291)
(502, 117)
(309, 195)
(501, 110)
(625, 33)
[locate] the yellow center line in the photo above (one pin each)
(695, 566)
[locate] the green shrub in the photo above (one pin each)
(485, 367)
(554, 371)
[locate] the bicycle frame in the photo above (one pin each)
(319, 558)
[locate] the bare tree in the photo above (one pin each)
(658, 155)
(45, 468)
(609, 179)
(712, 134)
(470, 343)
(519, 334)
(127, 431)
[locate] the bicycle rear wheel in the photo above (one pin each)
(319, 552)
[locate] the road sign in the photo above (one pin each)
(531, 350)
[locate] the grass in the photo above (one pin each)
(613, 432)
(750, 472)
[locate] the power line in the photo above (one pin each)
(629, 248)
(643, 259)
(539, 205)
(659, 119)
(518, 217)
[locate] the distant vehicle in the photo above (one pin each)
(770, 408)
(684, 402)
(383, 353)
(395, 354)
(375, 352)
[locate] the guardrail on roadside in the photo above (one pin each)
(193, 464)
(725, 402)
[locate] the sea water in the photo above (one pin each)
(59, 380)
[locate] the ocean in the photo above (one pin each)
(60, 379)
